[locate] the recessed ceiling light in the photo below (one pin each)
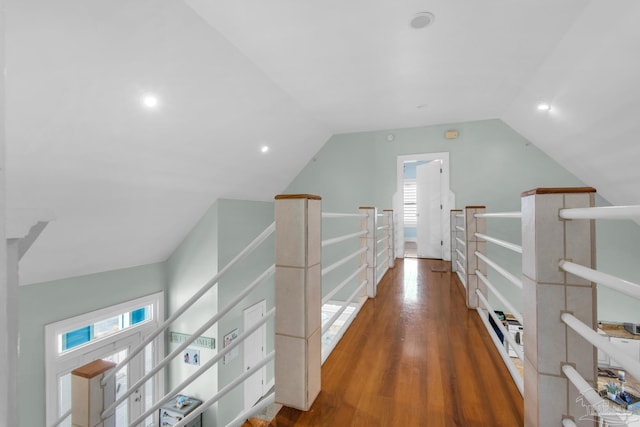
(264, 149)
(149, 100)
(544, 107)
(422, 20)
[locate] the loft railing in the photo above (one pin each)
(334, 319)
(469, 261)
(630, 365)
(368, 256)
(110, 404)
(297, 256)
(559, 314)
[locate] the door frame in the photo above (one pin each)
(263, 331)
(448, 200)
(58, 364)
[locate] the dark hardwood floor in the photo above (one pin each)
(414, 356)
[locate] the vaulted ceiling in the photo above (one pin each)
(126, 183)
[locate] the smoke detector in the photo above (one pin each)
(422, 20)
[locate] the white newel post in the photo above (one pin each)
(455, 246)
(369, 224)
(472, 263)
(89, 398)
(548, 293)
(391, 237)
(298, 299)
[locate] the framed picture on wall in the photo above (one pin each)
(228, 339)
(191, 356)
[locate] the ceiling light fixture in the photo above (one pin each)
(544, 107)
(149, 100)
(264, 149)
(422, 20)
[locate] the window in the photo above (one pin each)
(410, 211)
(103, 328)
(107, 334)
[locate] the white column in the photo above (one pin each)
(472, 263)
(548, 292)
(298, 300)
(89, 398)
(369, 224)
(391, 236)
(9, 338)
(8, 286)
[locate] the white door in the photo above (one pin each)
(429, 209)
(254, 352)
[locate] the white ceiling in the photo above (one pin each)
(126, 184)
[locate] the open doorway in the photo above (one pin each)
(423, 202)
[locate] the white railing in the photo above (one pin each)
(499, 269)
(365, 260)
(61, 419)
(624, 286)
(594, 399)
(457, 244)
(332, 331)
(629, 364)
(606, 212)
(561, 279)
(184, 307)
(484, 308)
(205, 367)
(515, 374)
(469, 259)
(262, 278)
(225, 390)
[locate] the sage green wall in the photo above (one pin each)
(618, 252)
(188, 269)
(240, 223)
(225, 229)
(44, 303)
(490, 164)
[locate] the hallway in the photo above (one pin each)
(414, 356)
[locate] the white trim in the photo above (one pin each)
(270, 384)
(446, 194)
(57, 363)
(263, 352)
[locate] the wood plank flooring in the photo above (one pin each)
(414, 356)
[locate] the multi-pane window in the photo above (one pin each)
(103, 328)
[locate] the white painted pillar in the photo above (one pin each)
(388, 221)
(89, 398)
(548, 292)
(8, 279)
(298, 299)
(472, 263)
(369, 224)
